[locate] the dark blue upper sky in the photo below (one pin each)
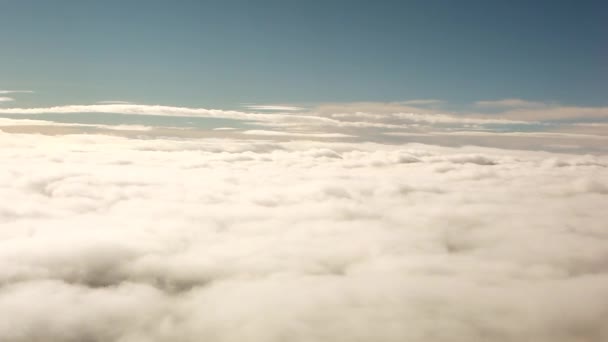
(223, 53)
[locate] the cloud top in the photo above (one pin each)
(117, 239)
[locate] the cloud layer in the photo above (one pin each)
(114, 239)
(508, 123)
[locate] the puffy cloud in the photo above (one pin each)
(117, 239)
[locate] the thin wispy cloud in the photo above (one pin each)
(113, 102)
(274, 108)
(422, 102)
(319, 116)
(3, 92)
(224, 129)
(510, 103)
(297, 134)
(6, 99)
(517, 109)
(369, 121)
(550, 113)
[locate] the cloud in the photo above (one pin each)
(421, 102)
(297, 134)
(6, 122)
(5, 92)
(274, 108)
(558, 113)
(113, 102)
(158, 239)
(314, 118)
(509, 103)
(4, 99)
(548, 127)
(442, 118)
(134, 109)
(224, 129)
(404, 112)
(518, 134)
(517, 109)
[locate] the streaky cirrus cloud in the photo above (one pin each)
(5, 92)
(114, 102)
(386, 122)
(314, 117)
(518, 109)
(5, 122)
(274, 108)
(557, 113)
(116, 239)
(297, 134)
(422, 102)
(509, 103)
(137, 109)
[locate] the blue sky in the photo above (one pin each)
(221, 54)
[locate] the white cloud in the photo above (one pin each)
(115, 239)
(4, 92)
(274, 108)
(517, 109)
(510, 103)
(422, 102)
(451, 119)
(297, 134)
(301, 120)
(518, 134)
(114, 102)
(402, 113)
(369, 121)
(557, 113)
(6, 99)
(4, 122)
(134, 109)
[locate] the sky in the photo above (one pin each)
(222, 54)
